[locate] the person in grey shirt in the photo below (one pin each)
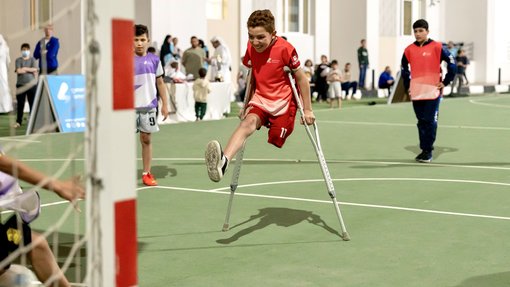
(26, 84)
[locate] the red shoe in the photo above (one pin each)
(148, 179)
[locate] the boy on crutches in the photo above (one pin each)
(272, 102)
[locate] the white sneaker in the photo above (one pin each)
(213, 161)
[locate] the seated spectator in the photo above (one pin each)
(308, 69)
(452, 49)
(347, 84)
(335, 88)
(151, 50)
(309, 73)
(173, 72)
(386, 80)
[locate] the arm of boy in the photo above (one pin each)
(248, 95)
(164, 97)
(69, 189)
(304, 87)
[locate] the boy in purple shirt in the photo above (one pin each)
(148, 77)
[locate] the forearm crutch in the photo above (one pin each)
(320, 155)
(239, 158)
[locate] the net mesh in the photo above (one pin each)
(60, 156)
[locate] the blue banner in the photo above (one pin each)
(67, 93)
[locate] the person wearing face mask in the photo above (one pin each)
(26, 84)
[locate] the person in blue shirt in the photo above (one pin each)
(386, 80)
(46, 52)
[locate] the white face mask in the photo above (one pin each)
(25, 53)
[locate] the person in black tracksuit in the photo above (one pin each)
(321, 85)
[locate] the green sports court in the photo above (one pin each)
(445, 223)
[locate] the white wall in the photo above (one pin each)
(498, 41)
(181, 19)
(321, 29)
(348, 27)
(469, 26)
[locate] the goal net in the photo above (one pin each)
(68, 123)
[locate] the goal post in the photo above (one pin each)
(110, 144)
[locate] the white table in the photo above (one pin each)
(182, 103)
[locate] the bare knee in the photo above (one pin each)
(250, 124)
(145, 138)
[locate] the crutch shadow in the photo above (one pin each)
(280, 216)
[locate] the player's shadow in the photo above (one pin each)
(438, 150)
(161, 171)
(501, 279)
(279, 216)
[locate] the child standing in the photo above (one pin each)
(201, 87)
(271, 102)
(335, 89)
(26, 84)
(148, 82)
(425, 84)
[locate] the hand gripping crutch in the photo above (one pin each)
(239, 158)
(318, 151)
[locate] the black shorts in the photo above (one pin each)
(10, 237)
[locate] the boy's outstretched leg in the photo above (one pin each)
(215, 161)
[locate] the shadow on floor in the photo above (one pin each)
(279, 216)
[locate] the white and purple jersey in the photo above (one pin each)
(147, 69)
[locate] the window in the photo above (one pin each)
(216, 9)
(407, 17)
(296, 16)
(41, 13)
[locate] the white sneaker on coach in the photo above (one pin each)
(213, 160)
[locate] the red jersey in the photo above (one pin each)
(273, 92)
(425, 64)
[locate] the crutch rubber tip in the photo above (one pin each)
(345, 236)
(225, 227)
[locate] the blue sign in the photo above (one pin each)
(67, 94)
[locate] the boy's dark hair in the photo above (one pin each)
(262, 18)
(141, 29)
(25, 45)
(421, 24)
(174, 65)
(202, 72)
(334, 62)
(151, 50)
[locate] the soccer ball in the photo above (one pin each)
(18, 276)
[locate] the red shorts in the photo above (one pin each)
(280, 127)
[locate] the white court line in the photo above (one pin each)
(10, 139)
(489, 104)
(414, 125)
(219, 191)
(345, 161)
(303, 161)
